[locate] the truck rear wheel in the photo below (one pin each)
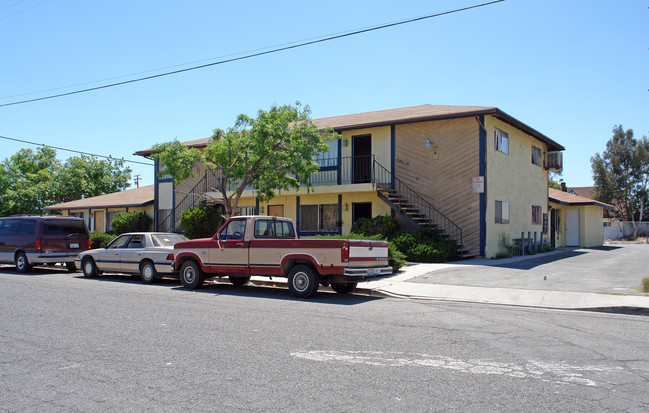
(343, 288)
(191, 275)
(302, 281)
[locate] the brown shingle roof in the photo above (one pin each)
(566, 198)
(407, 115)
(130, 198)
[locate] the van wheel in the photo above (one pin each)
(238, 281)
(89, 268)
(70, 266)
(302, 281)
(343, 288)
(148, 274)
(22, 265)
(191, 275)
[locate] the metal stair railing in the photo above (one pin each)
(383, 179)
(191, 200)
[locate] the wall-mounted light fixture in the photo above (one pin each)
(345, 207)
(345, 142)
(431, 145)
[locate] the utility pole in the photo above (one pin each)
(137, 181)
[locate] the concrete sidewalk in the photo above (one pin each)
(413, 282)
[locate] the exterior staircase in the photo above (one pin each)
(414, 208)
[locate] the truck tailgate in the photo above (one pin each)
(364, 253)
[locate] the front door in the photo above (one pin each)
(572, 228)
(230, 255)
(361, 159)
(361, 210)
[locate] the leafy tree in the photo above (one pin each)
(31, 180)
(26, 181)
(621, 174)
(273, 151)
(86, 176)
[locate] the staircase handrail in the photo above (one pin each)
(382, 176)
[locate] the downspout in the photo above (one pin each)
(483, 172)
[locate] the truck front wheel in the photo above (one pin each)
(302, 281)
(191, 275)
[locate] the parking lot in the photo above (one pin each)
(611, 269)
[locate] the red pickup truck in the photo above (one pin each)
(269, 246)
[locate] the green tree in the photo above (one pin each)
(31, 180)
(273, 151)
(87, 176)
(26, 181)
(200, 222)
(621, 174)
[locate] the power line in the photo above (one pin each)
(72, 150)
(252, 55)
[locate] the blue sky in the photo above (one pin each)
(570, 69)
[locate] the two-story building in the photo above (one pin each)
(475, 172)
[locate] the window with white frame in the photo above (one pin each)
(502, 212)
(537, 215)
(501, 141)
(537, 156)
(322, 217)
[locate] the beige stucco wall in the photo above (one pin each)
(381, 146)
(513, 178)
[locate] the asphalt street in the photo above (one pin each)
(113, 344)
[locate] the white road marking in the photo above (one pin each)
(558, 372)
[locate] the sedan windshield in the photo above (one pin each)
(167, 240)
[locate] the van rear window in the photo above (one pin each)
(63, 227)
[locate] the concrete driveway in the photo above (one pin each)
(617, 268)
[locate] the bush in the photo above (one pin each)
(645, 285)
(201, 222)
(99, 238)
(131, 222)
(383, 225)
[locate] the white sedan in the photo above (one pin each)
(148, 254)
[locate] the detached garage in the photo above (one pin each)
(575, 221)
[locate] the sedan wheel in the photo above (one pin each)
(148, 274)
(89, 268)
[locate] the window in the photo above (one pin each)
(328, 158)
(246, 210)
(501, 141)
(63, 227)
(502, 212)
(537, 156)
(119, 242)
(137, 241)
(234, 230)
(319, 217)
(537, 215)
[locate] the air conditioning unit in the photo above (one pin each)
(554, 161)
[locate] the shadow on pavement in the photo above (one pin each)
(281, 293)
(620, 310)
